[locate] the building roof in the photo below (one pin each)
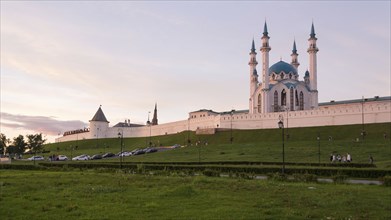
(99, 116)
(282, 66)
(124, 124)
(376, 98)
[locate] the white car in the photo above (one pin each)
(125, 154)
(62, 158)
(36, 158)
(82, 157)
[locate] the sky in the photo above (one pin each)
(61, 60)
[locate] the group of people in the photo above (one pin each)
(338, 158)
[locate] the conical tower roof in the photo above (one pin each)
(99, 116)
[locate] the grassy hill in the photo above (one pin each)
(251, 145)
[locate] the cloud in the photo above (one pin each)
(39, 124)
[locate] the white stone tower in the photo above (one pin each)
(253, 78)
(312, 50)
(265, 71)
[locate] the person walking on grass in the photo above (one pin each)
(348, 158)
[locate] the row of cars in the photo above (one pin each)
(97, 156)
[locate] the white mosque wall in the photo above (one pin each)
(329, 115)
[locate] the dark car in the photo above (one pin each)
(96, 157)
(106, 155)
(150, 150)
(138, 152)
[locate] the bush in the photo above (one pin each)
(277, 176)
(209, 172)
(387, 181)
(305, 177)
(339, 178)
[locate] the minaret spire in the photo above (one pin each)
(263, 105)
(312, 51)
(294, 56)
(253, 77)
(154, 119)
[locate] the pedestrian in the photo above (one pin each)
(331, 157)
(370, 159)
(348, 158)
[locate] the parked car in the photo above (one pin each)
(106, 155)
(62, 157)
(124, 154)
(138, 152)
(36, 158)
(150, 150)
(96, 157)
(82, 157)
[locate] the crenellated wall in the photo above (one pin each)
(325, 115)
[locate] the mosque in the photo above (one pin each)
(280, 93)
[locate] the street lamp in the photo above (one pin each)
(363, 133)
(318, 138)
(121, 136)
(188, 131)
(287, 122)
(281, 126)
(232, 113)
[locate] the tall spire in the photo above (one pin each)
(294, 51)
(265, 33)
(154, 119)
(312, 35)
(253, 47)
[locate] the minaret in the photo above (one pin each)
(312, 50)
(154, 119)
(294, 56)
(265, 69)
(253, 78)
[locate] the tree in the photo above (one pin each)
(35, 142)
(4, 141)
(18, 146)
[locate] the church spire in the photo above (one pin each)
(154, 119)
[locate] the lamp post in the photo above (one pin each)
(363, 133)
(281, 126)
(188, 131)
(318, 138)
(287, 122)
(232, 113)
(121, 136)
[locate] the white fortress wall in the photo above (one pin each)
(325, 115)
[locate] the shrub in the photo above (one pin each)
(306, 177)
(277, 177)
(339, 178)
(387, 180)
(209, 172)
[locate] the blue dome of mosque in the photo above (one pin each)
(282, 67)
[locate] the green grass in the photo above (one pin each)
(252, 145)
(91, 194)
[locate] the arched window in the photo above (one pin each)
(275, 104)
(297, 98)
(301, 101)
(282, 75)
(291, 100)
(290, 75)
(259, 103)
(283, 98)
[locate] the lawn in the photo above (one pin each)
(93, 194)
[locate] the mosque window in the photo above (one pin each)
(291, 100)
(297, 98)
(301, 101)
(259, 103)
(275, 101)
(290, 75)
(283, 98)
(282, 75)
(274, 76)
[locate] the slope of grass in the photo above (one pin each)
(91, 194)
(252, 145)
